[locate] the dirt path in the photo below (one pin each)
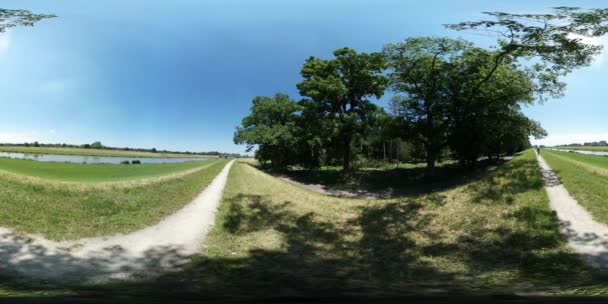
(333, 192)
(586, 236)
(137, 255)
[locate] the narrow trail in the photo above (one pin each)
(586, 236)
(138, 255)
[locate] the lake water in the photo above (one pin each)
(96, 159)
(601, 153)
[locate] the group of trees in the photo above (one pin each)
(449, 96)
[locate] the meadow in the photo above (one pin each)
(92, 173)
(585, 177)
(67, 211)
(95, 152)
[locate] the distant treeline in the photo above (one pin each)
(100, 146)
(601, 143)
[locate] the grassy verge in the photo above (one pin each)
(495, 234)
(66, 211)
(92, 173)
(585, 184)
(94, 152)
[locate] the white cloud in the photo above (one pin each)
(19, 137)
(52, 131)
(5, 42)
(569, 138)
(601, 41)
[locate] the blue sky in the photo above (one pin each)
(180, 75)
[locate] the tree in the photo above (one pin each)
(12, 18)
(97, 145)
(271, 126)
(494, 110)
(341, 87)
(421, 70)
(550, 43)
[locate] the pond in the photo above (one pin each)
(96, 159)
(601, 153)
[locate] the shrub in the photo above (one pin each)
(124, 162)
(135, 162)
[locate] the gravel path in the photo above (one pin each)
(138, 255)
(586, 236)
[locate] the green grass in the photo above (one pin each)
(94, 152)
(587, 148)
(597, 161)
(495, 234)
(92, 173)
(585, 184)
(71, 211)
(406, 180)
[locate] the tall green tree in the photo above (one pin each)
(475, 121)
(421, 70)
(342, 88)
(272, 128)
(10, 18)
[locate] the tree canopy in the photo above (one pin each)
(450, 97)
(10, 18)
(341, 87)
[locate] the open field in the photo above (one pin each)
(585, 177)
(94, 152)
(92, 173)
(61, 211)
(587, 148)
(495, 234)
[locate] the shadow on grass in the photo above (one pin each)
(387, 183)
(375, 253)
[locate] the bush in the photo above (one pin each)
(135, 162)
(124, 162)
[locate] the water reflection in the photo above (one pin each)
(95, 159)
(601, 153)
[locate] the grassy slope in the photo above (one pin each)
(598, 161)
(583, 183)
(496, 234)
(90, 173)
(70, 212)
(93, 152)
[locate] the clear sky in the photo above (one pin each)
(180, 75)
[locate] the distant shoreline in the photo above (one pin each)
(587, 148)
(98, 152)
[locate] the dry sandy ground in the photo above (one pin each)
(586, 236)
(137, 255)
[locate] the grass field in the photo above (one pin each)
(585, 177)
(92, 173)
(587, 148)
(494, 234)
(93, 152)
(70, 211)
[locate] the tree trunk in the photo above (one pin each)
(346, 160)
(384, 150)
(430, 163)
